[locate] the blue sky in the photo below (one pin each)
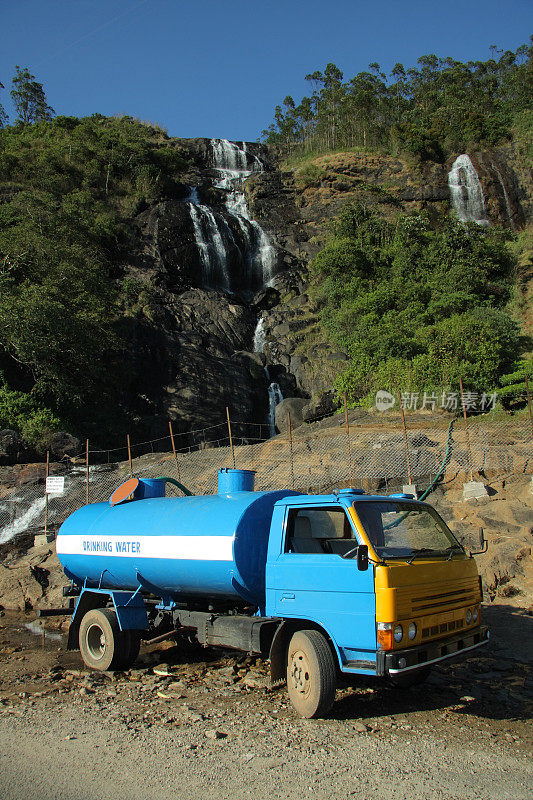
(219, 68)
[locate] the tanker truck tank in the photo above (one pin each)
(210, 545)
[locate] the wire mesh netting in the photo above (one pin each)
(318, 457)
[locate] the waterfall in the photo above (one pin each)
(192, 197)
(274, 397)
(466, 192)
(228, 156)
(210, 243)
(214, 237)
(259, 336)
(234, 164)
(203, 247)
(505, 195)
(23, 521)
(220, 253)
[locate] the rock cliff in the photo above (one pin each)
(193, 340)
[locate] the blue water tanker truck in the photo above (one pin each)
(324, 586)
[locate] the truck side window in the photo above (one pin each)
(318, 530)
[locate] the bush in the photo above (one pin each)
(416, 308)
(19, 411)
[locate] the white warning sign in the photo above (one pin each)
(55, 484)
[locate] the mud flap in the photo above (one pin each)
(278, 657)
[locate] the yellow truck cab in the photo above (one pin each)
(428, 590)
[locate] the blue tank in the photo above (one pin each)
(199, 545)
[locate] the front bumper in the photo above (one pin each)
(399, 661)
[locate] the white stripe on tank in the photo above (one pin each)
(195, 548)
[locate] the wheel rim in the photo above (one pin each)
(299, 673)
(96, 643)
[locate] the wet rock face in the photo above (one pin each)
(193, 360)
(169, 247)
(503, 194)
(11, 447)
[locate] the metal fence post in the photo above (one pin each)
(46, 493)
(230, 437)
(291, 452)
(129, 456)
(348, 439)
(87, 472)
(529, 404)
(405, 440)
(467, 433)
(174, 448)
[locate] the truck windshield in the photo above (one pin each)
(406, 530)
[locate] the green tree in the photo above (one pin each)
(3, 115)
(29, 97)
(436, 108)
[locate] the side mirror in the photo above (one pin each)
(362, 557)
(483, 544)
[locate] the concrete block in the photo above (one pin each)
(410, 488)
(474, 490)
(43, 538)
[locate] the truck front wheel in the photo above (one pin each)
(311, 674)
(102, 644)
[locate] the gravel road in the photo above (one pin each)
(206, 726)
(83, 754)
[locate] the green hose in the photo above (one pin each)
(180, 486)
(444, 462)
(433, 483)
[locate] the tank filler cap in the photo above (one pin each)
(344, 492)
(124, 491)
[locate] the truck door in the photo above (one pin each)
(309, 579)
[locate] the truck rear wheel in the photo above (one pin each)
(102, 644)
(311, 674)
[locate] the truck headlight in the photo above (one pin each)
(468, 617)
(412, 630)
(398, 633)
(475, 614)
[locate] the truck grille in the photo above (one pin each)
(444, 627)
(429, 604)
(425, 601)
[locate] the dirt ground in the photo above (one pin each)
(211, 728)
